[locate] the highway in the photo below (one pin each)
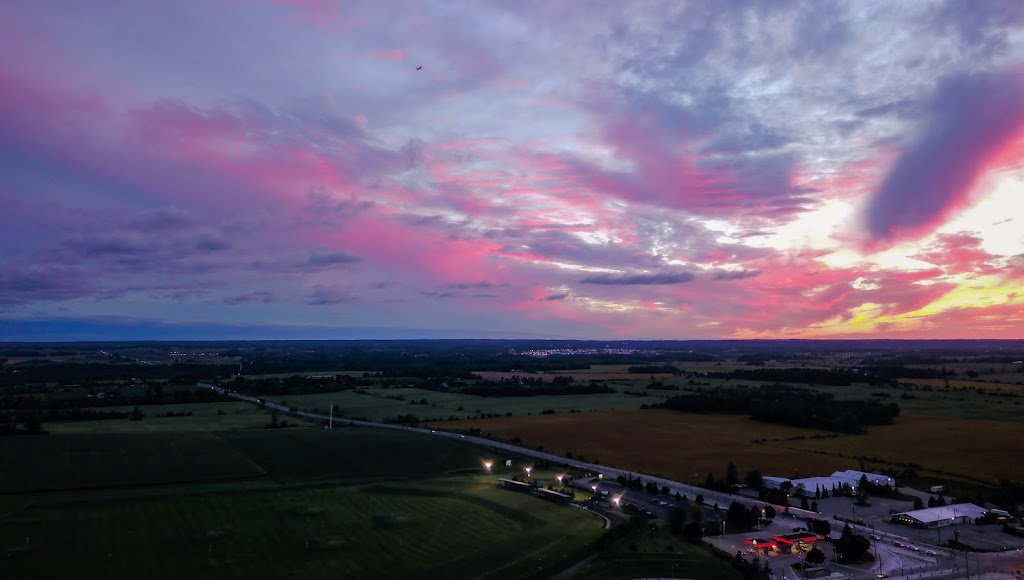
(892, 549)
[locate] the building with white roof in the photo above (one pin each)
(937, 517)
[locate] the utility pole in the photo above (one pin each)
(330, 420)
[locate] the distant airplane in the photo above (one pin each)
(419, 67)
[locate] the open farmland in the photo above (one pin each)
(448, 528)
(352, 453)
(376, 404)
(204, 417)
(57, 462)
(972, 449)
(579, 375)
(680, 445)
(677, 445)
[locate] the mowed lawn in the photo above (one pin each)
(61, 462)
(448, 530)
(669, 443)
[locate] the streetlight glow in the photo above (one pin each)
(528, 470)
(487, 465)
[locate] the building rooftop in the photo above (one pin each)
(947, 512)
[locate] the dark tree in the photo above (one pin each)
(692, 532)
(754, 479)
(731, 475)
(815, 556)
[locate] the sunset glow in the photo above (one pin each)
(282, 169)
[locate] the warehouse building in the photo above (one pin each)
(937, 517)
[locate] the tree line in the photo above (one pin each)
(788, 406)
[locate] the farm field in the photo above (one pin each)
(104, 460)
(677, 445)
(204, 417)
(352, 453)
(968, 448)
(579, 375)
(441, 405)
(443, 528)
(680, 445)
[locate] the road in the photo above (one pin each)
(898, 555)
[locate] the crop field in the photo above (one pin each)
(352, 453)
(579, 375)
(967, 384)
(444, 529)
(441, 405)
(205, 417)
(680, 445)
(104, 460)
(968, 448)
(677, 445)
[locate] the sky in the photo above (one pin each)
(598, 170)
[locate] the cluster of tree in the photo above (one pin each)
(789, 406)
(79, 372)
(112, 398)
(298, 385)
(516, 390)
(1008, 494)
(9, 425)
(810, 376)
(851, 547)
(660, 386)
(61, 414)
(653, 369)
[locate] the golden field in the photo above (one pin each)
(679, 445)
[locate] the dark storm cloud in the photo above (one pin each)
(970, 119)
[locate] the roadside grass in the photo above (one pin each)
(442, 529)
(204, 417)
(653, 559)
(55, 462)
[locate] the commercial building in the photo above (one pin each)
(937, 517)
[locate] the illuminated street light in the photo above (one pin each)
(559, 478)
(528, 470)
(487, 465)
(616, 499)
(594, 488)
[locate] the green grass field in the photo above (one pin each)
(657, 554)
(444, 529)
(310, 503)
(62, 462)
(441, 405)
(352, 453)
(204, 417)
